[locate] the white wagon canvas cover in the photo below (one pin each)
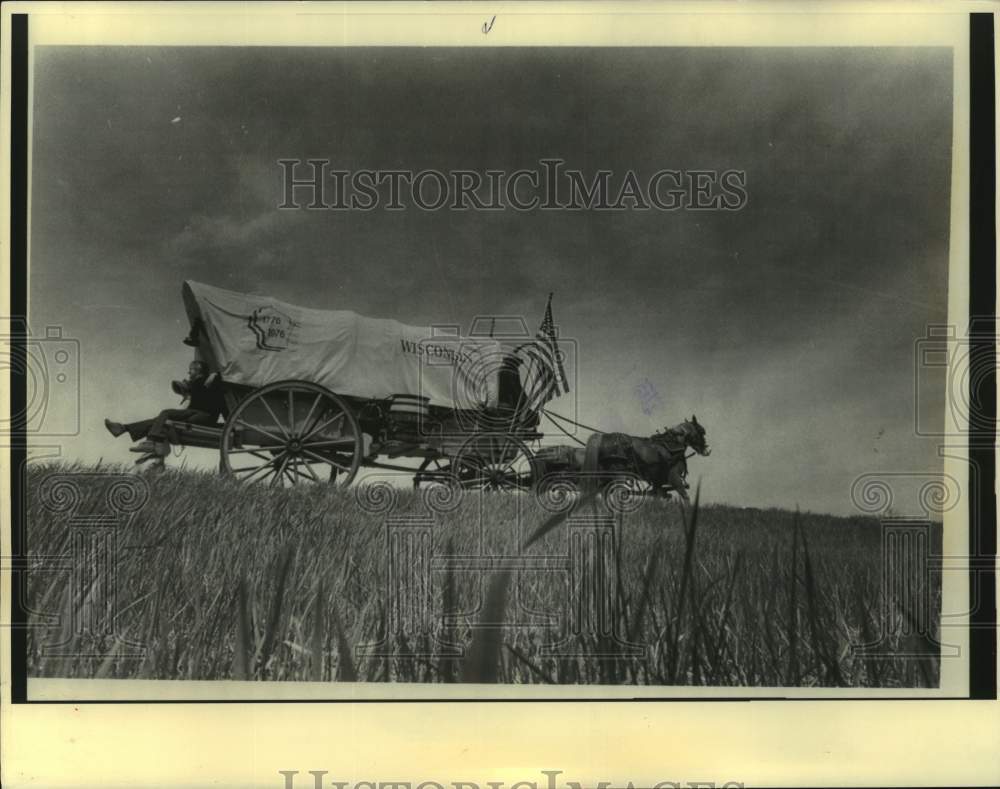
(257, 340)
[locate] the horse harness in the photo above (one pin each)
(619, 449)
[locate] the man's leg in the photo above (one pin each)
(154, 430)
(137, 430)
(157, 431)
(202, 418)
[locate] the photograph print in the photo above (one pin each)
(527, 366)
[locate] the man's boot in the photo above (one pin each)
(114, 428)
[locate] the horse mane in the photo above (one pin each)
(678, 430)
(674, 439)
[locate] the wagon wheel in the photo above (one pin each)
(290, 433)
(434, 470)
(495, 461)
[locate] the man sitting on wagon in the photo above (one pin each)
(205, 402)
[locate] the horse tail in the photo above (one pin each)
(591, 458)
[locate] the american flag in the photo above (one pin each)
(544, 376)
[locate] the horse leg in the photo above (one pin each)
(676, 479)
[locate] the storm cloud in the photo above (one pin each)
(788, 327)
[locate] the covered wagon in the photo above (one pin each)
(315, 395)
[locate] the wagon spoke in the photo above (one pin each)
(308, 468)
(322, 459)
(495, 481)
(312, 424)
(514, 479)
(277, 421)
(269, 464)
(312, 409)
(294, 469)
(474, 465)
(259, 429)
(509, 464)
(296, 463)
(301, 463)
(256, 454)
(341, 442)
(258, 451)
(281, 470)
(508, 476)
(244, 469)
(315, 430)
(291, 412)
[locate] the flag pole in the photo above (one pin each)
(563, 380)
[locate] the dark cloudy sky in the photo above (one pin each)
(787, 327)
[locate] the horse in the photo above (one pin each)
(660, 459)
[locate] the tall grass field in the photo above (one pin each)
(217, 580)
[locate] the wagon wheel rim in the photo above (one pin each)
(291, 433)
(495, 462)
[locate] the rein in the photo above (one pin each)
(564, 430)
(551, 414)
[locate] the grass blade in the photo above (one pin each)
(447, 663)
(317, 634)
(274, 615)
(241, 656)
(346, 670)
(721, 644)
(690, 531)
(652, 564)
(557, 519)
(815, 625)
(482, 662)
(531, 666)
(109, 661)
(793, 677)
